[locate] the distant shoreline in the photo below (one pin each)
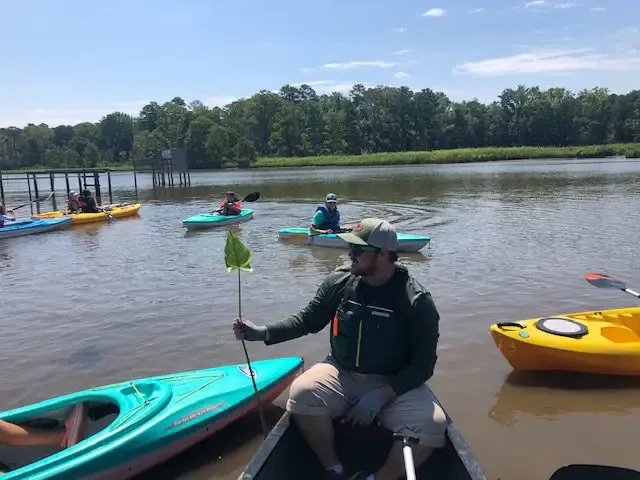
(431, 157)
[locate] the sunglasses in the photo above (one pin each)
(357, 250)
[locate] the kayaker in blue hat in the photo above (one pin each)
(327, 216)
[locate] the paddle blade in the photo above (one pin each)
(601, 280)
(252, 197)
(594, 472)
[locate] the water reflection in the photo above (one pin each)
(548, 395)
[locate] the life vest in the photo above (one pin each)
(331, 220)
(371, 338)
(237, 204)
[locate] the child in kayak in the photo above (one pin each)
(4, 217)
(73, 206)
(229, 206)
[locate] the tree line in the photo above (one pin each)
(297, 121)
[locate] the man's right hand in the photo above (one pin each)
(246, 330)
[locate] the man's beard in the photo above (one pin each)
(358, 269)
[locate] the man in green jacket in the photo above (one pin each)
(383, 337)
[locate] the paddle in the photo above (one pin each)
(601, 280)
(237, 256)
(410, 469)
(109, 215)
(594, 472)
(32, 201)
(252, 197)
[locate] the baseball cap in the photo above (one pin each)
(373, 232)
(331, 197)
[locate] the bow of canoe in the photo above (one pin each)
(208, 220)
(284, 454)
(145, 421)
(409, 242)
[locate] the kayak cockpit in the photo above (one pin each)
(111, 412)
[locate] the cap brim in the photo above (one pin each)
(331, 201)
(351, 238)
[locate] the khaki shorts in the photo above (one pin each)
(327, 390)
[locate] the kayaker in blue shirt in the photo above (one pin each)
(327, 216)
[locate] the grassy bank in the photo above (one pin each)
(462, 155)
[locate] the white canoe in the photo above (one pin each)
(409, 242)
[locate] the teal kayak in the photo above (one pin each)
(148, 420)
(27, 226)
(409, 242)
(207, 220)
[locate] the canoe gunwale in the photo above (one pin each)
(455, 441)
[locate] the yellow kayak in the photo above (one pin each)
(606, 341)
(117, 211)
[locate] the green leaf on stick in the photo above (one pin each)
(236, 254)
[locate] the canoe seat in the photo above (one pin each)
(619, 334)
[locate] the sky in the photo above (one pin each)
(69, 61)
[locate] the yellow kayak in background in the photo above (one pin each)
(117, 211)
(605, 342)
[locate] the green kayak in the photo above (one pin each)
(208, 220)
(140, 423)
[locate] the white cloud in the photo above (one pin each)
(358, 64)
(399, 30)
(597, 9)
(401, 52)
(565, 5)
(401, 74)
(535, 3)
(477, 10)
(552, 61)
(434, 12)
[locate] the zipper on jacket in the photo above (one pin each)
(359, 340)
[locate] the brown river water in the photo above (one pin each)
(510, 240)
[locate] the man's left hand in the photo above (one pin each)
(367, 407)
